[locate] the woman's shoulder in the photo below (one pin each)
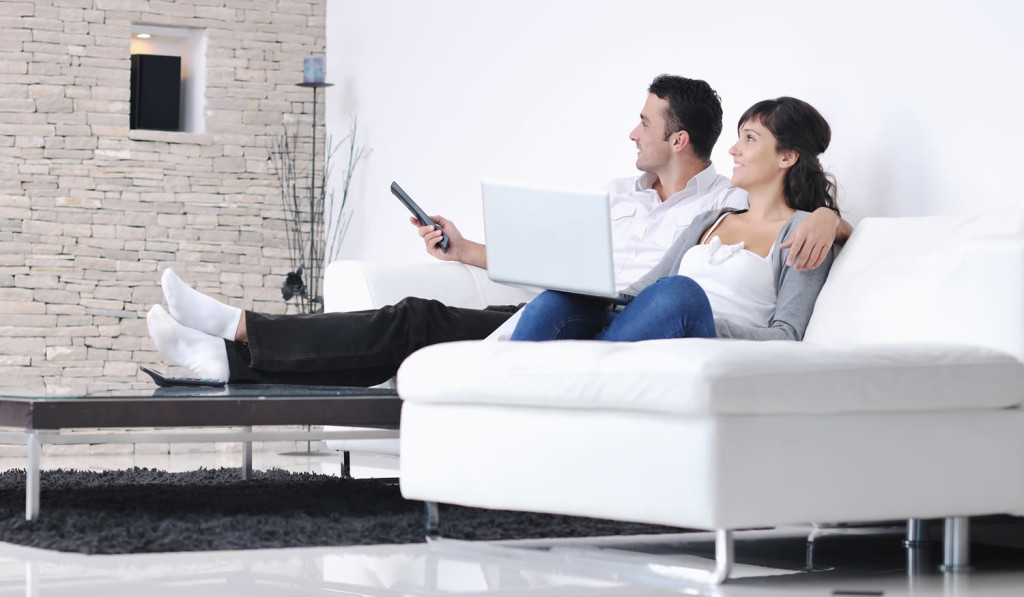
(792, 222)
(799, 216)
(707, 219)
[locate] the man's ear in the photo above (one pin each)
(680, 140)
(788, 158)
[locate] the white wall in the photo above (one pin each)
(923, 96)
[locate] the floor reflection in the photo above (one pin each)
(839, 560)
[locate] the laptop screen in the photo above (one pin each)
(549, 238)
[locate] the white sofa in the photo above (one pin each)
(360, 285)
(903, 402)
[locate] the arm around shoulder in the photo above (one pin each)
(814, 236)
(843, 232)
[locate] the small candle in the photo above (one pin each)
(313, 69)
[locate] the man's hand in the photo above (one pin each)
(459, 248)
(812, 239)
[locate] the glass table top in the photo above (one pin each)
(229, 391)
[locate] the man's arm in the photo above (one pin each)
(844, 231)
(459, 248)
(812, 238)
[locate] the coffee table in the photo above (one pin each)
(34, 420)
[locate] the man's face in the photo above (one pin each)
(653, 151)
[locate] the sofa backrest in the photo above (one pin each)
(934, 279)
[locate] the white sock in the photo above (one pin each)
(200, 353)
(196, 310)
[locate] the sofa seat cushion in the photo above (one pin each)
(701, 377)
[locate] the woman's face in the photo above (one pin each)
(756, 162)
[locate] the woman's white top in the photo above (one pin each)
(740, 284)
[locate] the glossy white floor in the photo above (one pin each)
(845, 561)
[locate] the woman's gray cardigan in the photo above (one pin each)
(796, 290)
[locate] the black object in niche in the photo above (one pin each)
(156, 92)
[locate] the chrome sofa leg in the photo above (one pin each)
(915, 533)
(918, 550)
(601, 561)
(956, 545)
(812, 537)
(724, 557)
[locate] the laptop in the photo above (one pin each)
(549, 238)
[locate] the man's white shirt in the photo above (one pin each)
(644, 226)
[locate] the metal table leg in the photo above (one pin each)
(346, 465)
(247, 456)
(433, 522)
(32, 477)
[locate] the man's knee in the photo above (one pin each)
(417, 304)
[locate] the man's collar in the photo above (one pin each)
(703, 180)
(700, 183)
(645, 181)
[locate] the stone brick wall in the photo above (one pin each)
(91, 212)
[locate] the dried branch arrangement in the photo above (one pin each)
(312, 241)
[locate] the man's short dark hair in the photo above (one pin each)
(694, 107)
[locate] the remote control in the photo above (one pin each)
(170, 382)
(420, 215)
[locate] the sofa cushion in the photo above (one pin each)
(700, 377)
(934, 279)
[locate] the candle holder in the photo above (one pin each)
(313, 69)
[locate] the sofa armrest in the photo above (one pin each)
(354, 285)
(351, 285)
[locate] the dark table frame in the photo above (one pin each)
(37, 420)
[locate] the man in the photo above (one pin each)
(679, 125)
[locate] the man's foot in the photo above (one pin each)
(196, 310)
(200, 353)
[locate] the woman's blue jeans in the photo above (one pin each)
(672, 307)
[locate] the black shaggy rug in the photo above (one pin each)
(144, 510)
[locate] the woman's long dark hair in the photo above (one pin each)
(798, 127)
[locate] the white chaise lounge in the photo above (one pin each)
(903, 402)
(360, 285)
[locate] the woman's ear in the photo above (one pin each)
(788, 158)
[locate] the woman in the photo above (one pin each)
(725, 276)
